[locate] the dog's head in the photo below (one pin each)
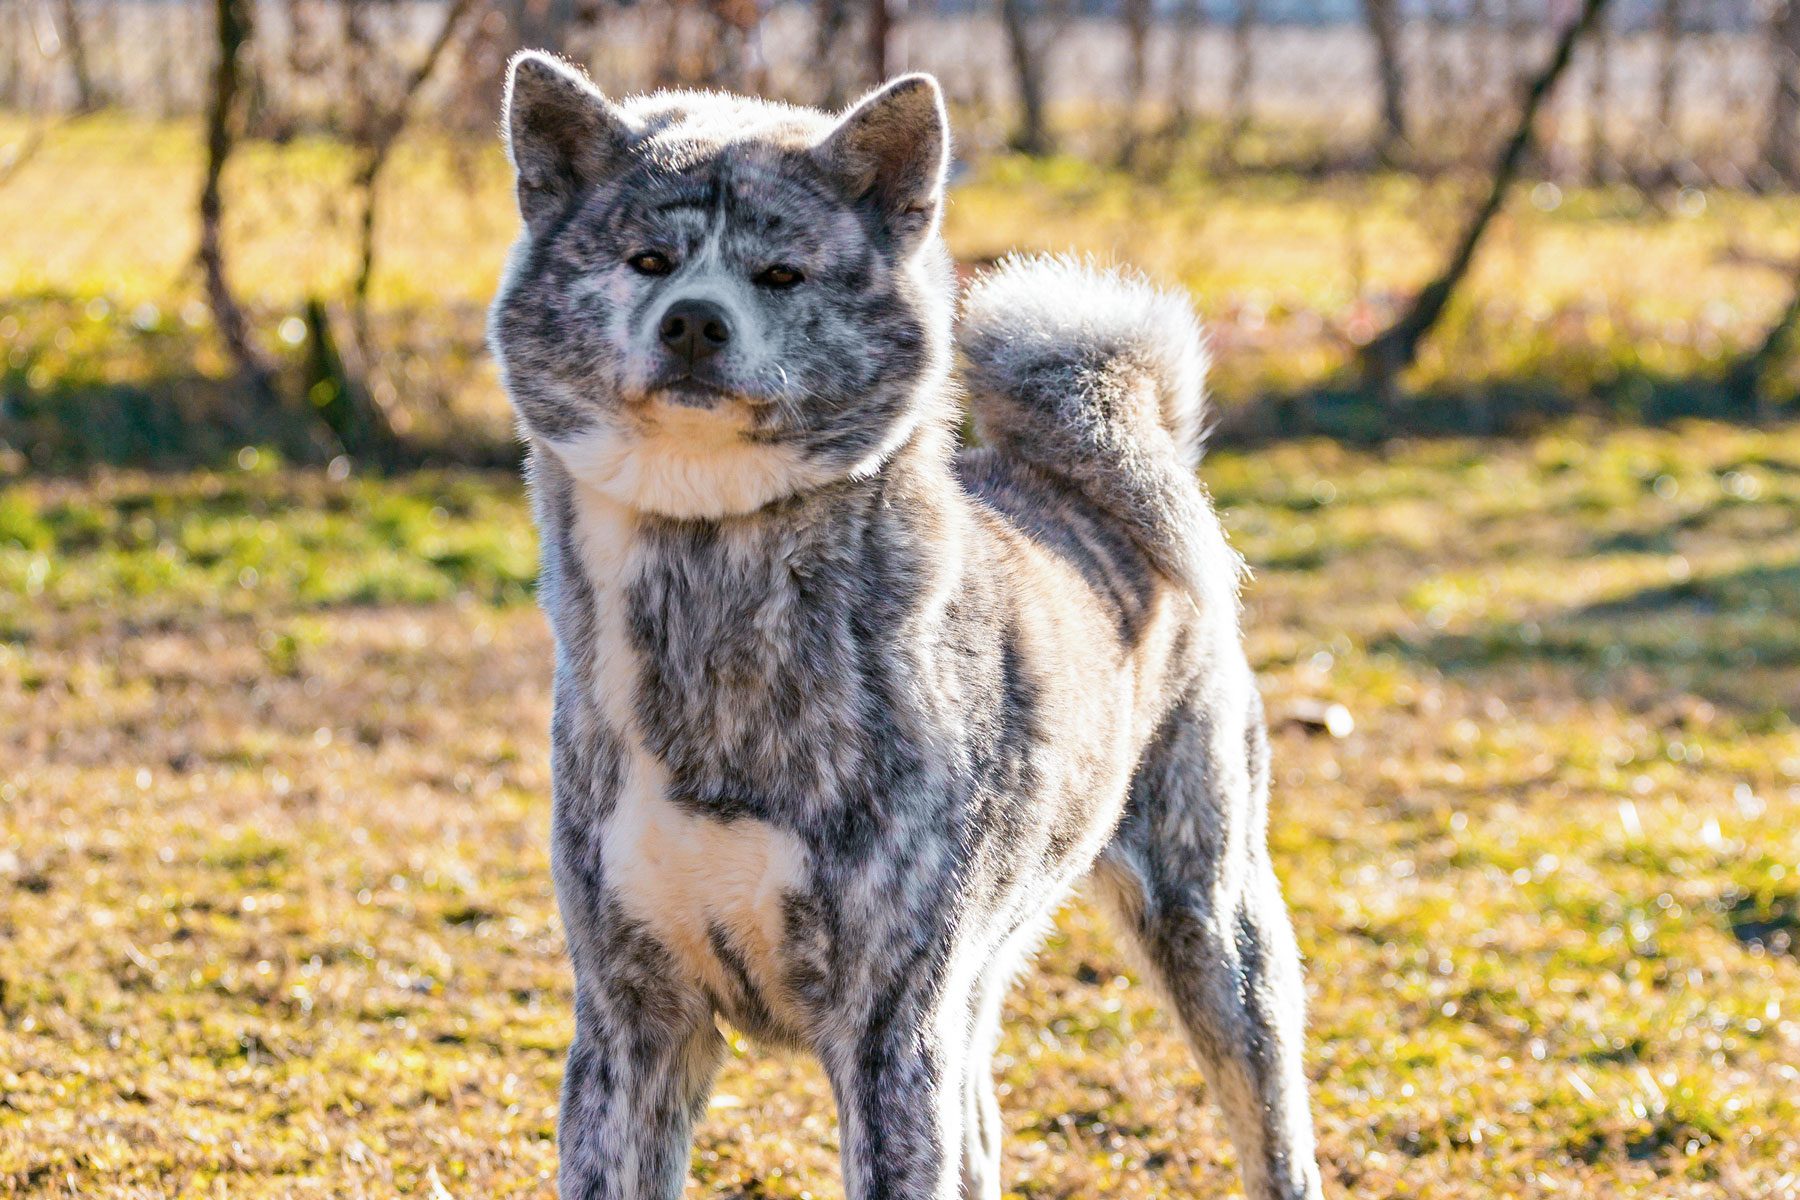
(717, 302)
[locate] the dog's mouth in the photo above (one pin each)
(691, 392)
(690, 387)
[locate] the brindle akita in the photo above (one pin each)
(842, 713)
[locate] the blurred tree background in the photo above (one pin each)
(277, 221)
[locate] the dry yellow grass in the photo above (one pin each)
(275, 918)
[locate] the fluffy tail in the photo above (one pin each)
(1100, 379)
(1055, 345)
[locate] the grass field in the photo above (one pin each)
(275, 918)
(275, 915)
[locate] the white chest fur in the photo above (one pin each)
(688, 878)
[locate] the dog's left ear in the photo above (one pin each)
(890, 153)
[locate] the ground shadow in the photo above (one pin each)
(83, 385)
(1343, 410)
(151, 390)
(1731, 638)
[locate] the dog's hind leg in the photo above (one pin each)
(982, 1130)
(1189, 877)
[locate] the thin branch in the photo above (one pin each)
(1397, 346)
(833, 21)
(1745, 379)
(23, 151)
(388, 131)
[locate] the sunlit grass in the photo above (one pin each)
(1604, 301)
(276, 914)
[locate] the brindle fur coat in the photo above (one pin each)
(841, 713)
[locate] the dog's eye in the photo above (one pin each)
(650, 263)
(779, 276)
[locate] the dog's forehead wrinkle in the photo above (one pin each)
(757, 206)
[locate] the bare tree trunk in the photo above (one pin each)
(1397, 346)
(881, 28)
(1027, 53)
(233, 36)
(1668, 65)
(1599, 106)
(74, 35)
(107, 69)
(1181, 68)
(670, 71)
(1136, 16)
(1240, 104)
(1659, 142)
(1780, 150)
(1383, 17)
(828, 37)
(15, 54)
(337, 393)
(559, 22)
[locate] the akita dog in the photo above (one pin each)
(842, 712)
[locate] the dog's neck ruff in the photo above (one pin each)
(677, 475)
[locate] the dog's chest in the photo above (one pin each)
(754, 683)
(710, 881)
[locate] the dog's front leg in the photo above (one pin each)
(900, 1090)
(646, 1048)
(638, 1076)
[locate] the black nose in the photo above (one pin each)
(695, 330)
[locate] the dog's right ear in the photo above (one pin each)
(562, 135)
(891, 152)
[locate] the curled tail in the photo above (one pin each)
(1056, 346)
(1099, 378)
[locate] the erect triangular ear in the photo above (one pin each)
(890, 152)
(563, 136)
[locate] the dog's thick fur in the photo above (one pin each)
(842, 714)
